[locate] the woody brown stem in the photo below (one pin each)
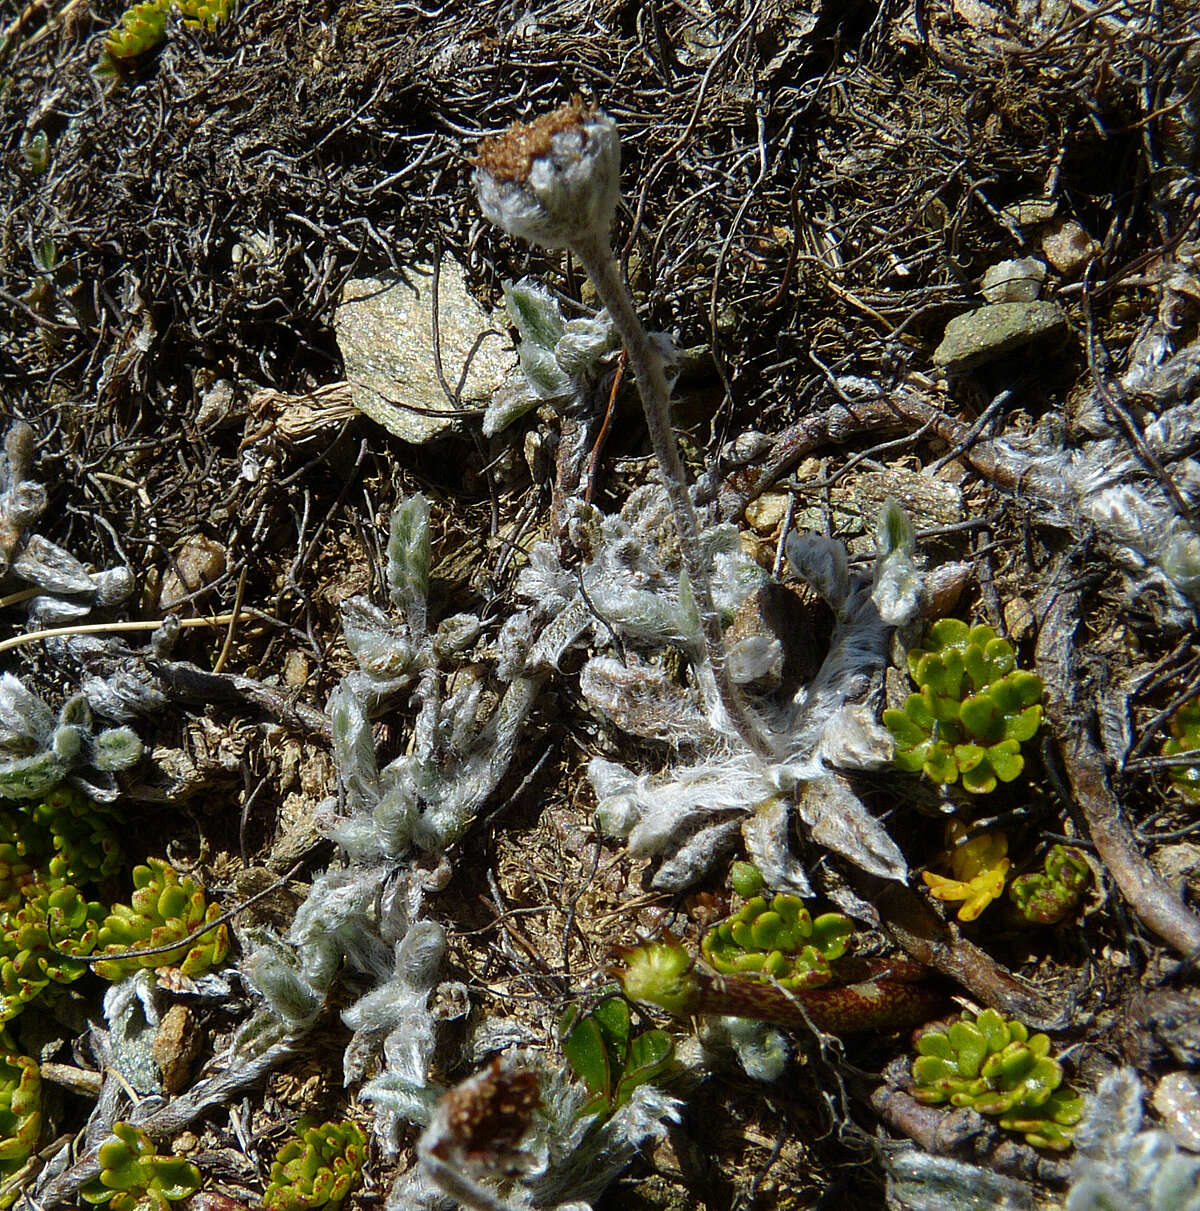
(1157, 906)
(883, 995)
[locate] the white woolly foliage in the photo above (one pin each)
(39, 750)
(1120, 1167)
(1109, 485)
(368, 918)
(762, 1050)
(397, 1012)
(560, 359)
(460, 750)
(685, 815)
(69, 588)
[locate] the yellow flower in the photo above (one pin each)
(979, 868)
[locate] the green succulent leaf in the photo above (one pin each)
(973, 710)
(995, 1067)
(940, 763)
(317, 1167)
(983, 718)
(746, 879)
(134, 1175)
(980, 779)
(778, 940)
(164, 908)
(1005, 760)
(906, 730)
(1185, 738)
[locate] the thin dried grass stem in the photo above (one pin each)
(108, 628)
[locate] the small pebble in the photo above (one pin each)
(1031, 211)
(198, 562)
(176, 1045)
(295, 669)
(1068, 247)
(1017, 281)
(989, 332)
(765, 513)
(1177, 1100)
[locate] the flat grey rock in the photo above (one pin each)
(384, 328)
(987, 333)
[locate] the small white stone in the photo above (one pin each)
(1017, 281)
(1068, 247)
(1177, 1100)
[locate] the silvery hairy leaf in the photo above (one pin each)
(696, 855)
(408, 560)
(918, 1181)
(765, 833)
(353, 746)
(123, 695)
(455, 635)
(273, 970)
(48, 566)
(534, 312)
(112, 586)
(897, 587)
(22, 713)
(823, 564)
(837, 819)
(44, 612)
(643, 700)
(117, 748)
(382, 648)
(584, 342)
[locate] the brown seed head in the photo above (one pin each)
(488, 1114)
(508, 157)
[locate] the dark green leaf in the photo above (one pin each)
(586, 1053)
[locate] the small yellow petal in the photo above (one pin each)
(942, 888)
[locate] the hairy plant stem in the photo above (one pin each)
(595, 255)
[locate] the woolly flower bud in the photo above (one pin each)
(552, 181)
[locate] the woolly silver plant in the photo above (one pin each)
(1119, 1165)
(555, 182)
(39, 749)
(721, 789)
(69, 591)
(1133, 493)
(395, 821)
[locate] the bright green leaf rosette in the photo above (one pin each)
(133, 1177)
(997, 1068)
(164, 908)
(973, 710)
(38, 940)
(778, 940)
(317, 1167)
(80, 833)
(609, 1058)
(141, 28)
